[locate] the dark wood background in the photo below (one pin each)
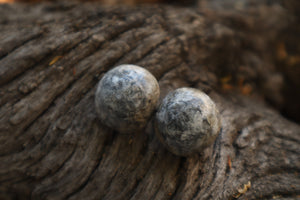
(245, 57)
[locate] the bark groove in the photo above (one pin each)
(52, 145)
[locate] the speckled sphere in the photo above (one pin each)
(187, 121)
(126, 97)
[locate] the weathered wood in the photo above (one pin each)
(52, 146)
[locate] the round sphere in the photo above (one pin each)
(126, 97)
(187, 121)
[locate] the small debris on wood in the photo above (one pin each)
(229, 162)
(54, 60)
(243, 190)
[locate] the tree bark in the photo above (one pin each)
(53, 146)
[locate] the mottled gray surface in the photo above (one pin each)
(187, 121)
(126, 97)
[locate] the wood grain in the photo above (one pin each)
(53, 146)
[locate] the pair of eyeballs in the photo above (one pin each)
(187, 120)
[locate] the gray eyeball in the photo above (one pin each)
(187, 121)
(126, 97)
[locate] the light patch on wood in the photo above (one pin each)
(130, 141)
(226, 79)
(7, 1)
(281, 51)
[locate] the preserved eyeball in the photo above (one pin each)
(187, 121)
(126, 97)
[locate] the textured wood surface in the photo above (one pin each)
(53, 146)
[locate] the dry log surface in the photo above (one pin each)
(52, 145)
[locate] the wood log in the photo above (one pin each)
(53, 146)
